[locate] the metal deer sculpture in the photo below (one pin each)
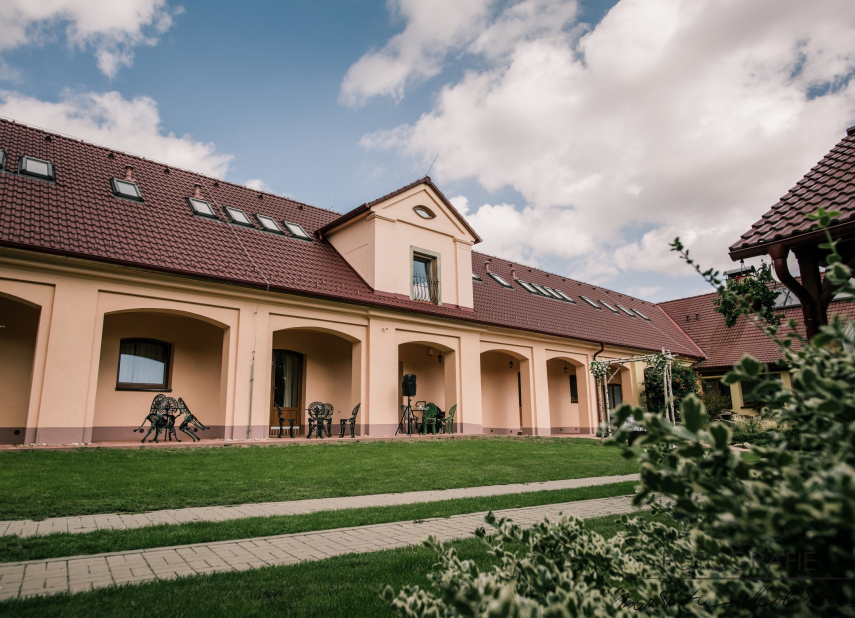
(156, 416)
(189, 419)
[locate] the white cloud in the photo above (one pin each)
(258, 184)
(433, 29)
(111, 28)
(110, 120)
(668, 118)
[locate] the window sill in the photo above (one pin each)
(144, 389)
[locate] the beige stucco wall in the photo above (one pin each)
(379, 246)
(352, 355)
(196, 372)
(430, 373)
(327, 374)
(20, 323)
(563, 413)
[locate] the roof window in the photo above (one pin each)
(553, 293)
(590, 302)
(238, 216)
(500, 281)
(269, 224)
(641, 315)
(37, 168)
(609, 307)
(476, 278)
(540, 290)
(201, 207)
(564, 296)
(527, 287)
(297, 230)
(126, 189)
(2, 160)
(626, 311)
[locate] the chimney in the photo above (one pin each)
(197, 191)
(514, 274)
(487, 265)
(129, 173)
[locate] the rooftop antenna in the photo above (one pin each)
(431, 166)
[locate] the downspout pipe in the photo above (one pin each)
(779, 254)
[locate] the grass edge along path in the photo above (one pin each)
(16, 549)
(347, 586)
(43, 484)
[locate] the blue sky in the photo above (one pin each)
(576, 143)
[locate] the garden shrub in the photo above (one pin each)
(684, 382)
(740, 528)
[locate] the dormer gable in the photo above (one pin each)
(411, 243)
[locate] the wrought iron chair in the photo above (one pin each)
(448, 421)
(429, 418)
(328, 419)
(189, 419)
(317, 418)
(169, 414)
(282, 423)
(352, 421)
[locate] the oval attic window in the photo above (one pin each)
(424, 212)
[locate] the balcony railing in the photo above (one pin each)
(426, 289)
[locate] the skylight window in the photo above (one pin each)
(641, 315)
(476, 278)
(540, 290)
(553, 293)
(238, 216)
(2, 160)
(590, 302)
(297, 231)
(609, 307)
(626, 311)
(565, 296)
(126, 189)
(269, 223)
(527, 287)
(500, 281)
(37, 168)
(201, 208)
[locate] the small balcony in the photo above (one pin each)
(426, 289)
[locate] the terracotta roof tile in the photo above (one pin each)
(829, 184)
(724, 346)
(77, 215)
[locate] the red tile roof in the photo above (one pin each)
(724, 346)
(830, 185)
(78, 216)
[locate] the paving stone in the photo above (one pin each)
(77, 525)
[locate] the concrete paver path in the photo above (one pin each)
(116, 521)
(81, 573)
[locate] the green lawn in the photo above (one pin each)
(346, 586)
(39, 484)
(13, 548)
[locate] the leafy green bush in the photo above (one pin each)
(716, 403)
(772, 537)
(757, 290)
(684, 382)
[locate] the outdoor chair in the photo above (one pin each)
(155, 417)
(282, 423)
(330, 412)
(448, 422)
(429, 418)
(319, 416)
(352, 421)
(420, 405)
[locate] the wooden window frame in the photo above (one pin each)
(167, 370)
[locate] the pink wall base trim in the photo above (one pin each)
(8, 435)
(563, 431)
(104, 434)
(59, 435)
(501, 431)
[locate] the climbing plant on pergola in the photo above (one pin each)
(603, 373)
